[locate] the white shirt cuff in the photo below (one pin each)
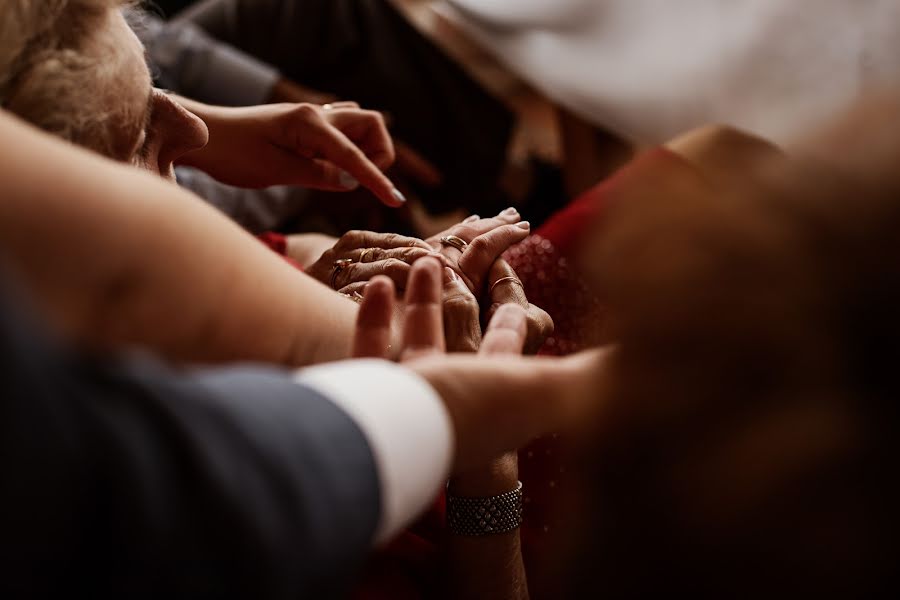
(406, 425)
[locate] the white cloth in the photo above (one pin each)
(650, 69)
(406, 424)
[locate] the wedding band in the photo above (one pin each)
(457, 242)
(339, 265)
(503, 280)
(366, 254)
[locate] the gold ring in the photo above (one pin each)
(355, 296)
(457, 242)
(336, 105)
(503, 280)
(366, 254)
(339, 265)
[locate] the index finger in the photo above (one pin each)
(339, 150)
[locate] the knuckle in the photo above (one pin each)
(350, 239)
(393, 265)
(540, 323)
(328, 255)
(306, 112)
(459, 304)
(479, 245)
(392, 239)
(465, 232)
(411, 255)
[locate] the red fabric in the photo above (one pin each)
(278, 244)
(567, 228)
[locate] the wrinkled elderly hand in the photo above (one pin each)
(458, 313)
(505, 287)
(485, 240)
(335, 147)
(422, 327)
(371, 254)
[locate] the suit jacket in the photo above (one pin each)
(121, 478)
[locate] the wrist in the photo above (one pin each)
(496, 477)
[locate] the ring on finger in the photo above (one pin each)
(339, 265)
(457, 242)
(335, 105)
(514, 280)
(367, 255)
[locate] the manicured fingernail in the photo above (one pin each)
(398, 195)
(347, 181)
(510, 211)
(524, 225)
(471, 219)
(451, 274)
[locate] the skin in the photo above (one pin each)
(117, 292)
(435, 297)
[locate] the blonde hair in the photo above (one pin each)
(54, 75)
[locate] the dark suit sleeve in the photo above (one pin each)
(123, 479)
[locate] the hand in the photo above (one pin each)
(504, 287)
(486, 240)
(496, 402)
(461, 314)
(372, 254)
(297, 144)
(409, 163)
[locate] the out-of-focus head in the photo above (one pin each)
(745, 441)
(75, 69)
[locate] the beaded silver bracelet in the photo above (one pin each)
(485, 516)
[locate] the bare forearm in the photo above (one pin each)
(117, 257)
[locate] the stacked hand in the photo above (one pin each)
(365, 254)
(497, 401)
(469, 251)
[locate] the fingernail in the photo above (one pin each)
(451, 274)
(510, 211)
(524, 225)
(471, 219)
(347, 181)
(398, 195)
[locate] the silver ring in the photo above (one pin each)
(457, 242)
(515, 280)
(339, 265)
